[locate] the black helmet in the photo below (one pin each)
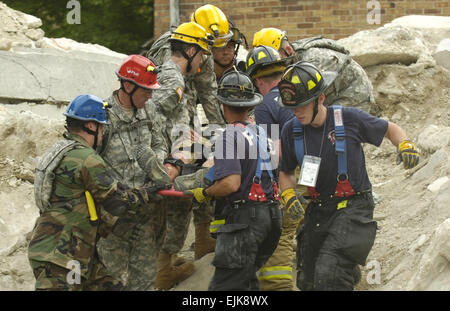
(265, 60)
(302, 83)
(236, 89)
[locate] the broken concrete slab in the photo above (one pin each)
(56, 76)
(387, 45)
(434, 137)
(18, 28)
(442, 54)
(433, 28)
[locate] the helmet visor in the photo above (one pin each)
(221, 41)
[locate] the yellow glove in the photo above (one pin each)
(291, 204)
(199, 195)
(408, 154)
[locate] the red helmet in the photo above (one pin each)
(139, 70)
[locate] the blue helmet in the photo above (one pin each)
(88, 108)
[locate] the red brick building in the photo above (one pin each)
(304, 18)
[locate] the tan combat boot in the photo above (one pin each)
(169, 275)
(204, 243)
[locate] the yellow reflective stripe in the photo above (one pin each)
(342, 204)
(275, 272)
(276, 268)
(214, 225)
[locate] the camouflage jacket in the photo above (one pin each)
(64, 232)
(169, 102)
(200, 87)
(352, 87)
(121, 138)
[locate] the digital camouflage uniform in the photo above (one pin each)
(352, 87)
(182, 109)
(201, 87)
(63, 232)
(134, 261)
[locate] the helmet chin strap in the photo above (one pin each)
(93, 133)
(130, 94)
(315, 111)
(189, 59)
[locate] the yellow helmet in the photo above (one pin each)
(193, 33)
(269, 37)
(215, 22)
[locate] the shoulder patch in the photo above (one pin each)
(180, 93)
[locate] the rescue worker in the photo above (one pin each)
(326, 142)
(78, 201)
(352, 87)
(134, 149)
(243, 177)
(200, 86)
(225, 57)
(266, 67)
(189, 43)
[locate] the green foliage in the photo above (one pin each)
(121, 25)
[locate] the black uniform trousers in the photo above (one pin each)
(335, 238)
(245, 242)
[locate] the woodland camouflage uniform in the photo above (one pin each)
(63, 232)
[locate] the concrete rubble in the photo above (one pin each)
(411, 87)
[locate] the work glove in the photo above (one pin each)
(408, 154)
(198, 195)
(291, 204)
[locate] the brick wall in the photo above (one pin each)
(303, 18)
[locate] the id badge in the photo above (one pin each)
(309, 171)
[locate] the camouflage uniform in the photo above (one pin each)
(182, 109)
(134, 261)
(63, 232)
(170, 104)
(352, 87)
(202, 86)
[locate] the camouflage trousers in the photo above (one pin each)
(51, 277)
(179, 213)
(134, 262)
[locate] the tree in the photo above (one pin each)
(121, 25)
